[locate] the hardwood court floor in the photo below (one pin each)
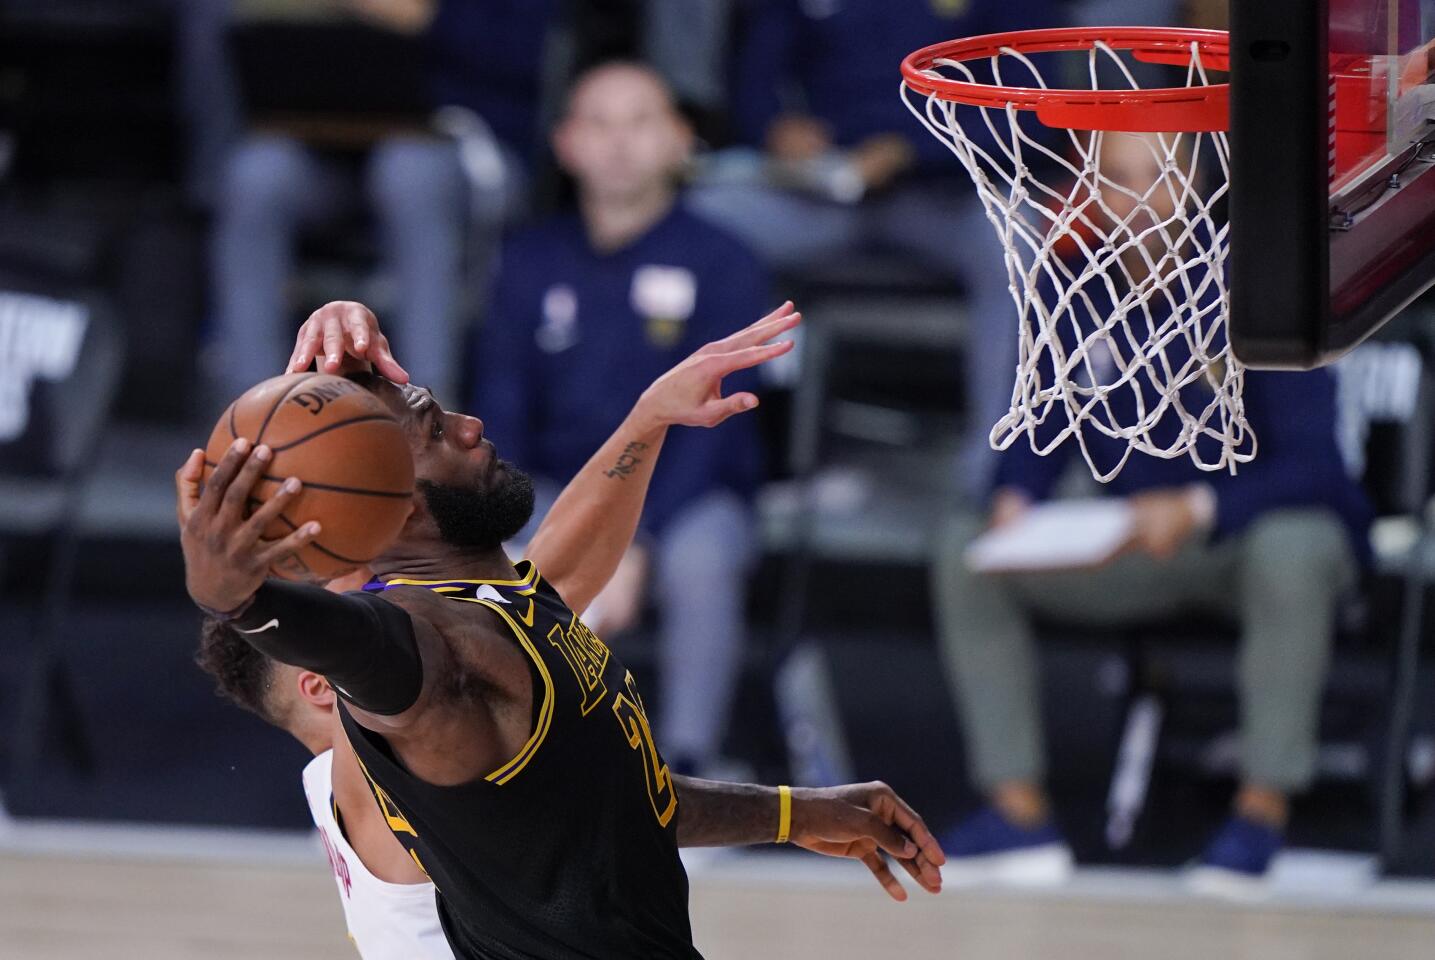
(67, 907)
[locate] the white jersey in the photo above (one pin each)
(387, 921)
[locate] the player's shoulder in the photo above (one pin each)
(428, 607)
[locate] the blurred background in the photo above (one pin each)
(183, 181)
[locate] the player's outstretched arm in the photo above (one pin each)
(860, 821)
(590, 526)
(364, 645)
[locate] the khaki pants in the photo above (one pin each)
(1281, 579)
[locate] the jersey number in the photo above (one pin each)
(628, 708)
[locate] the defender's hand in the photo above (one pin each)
(861, 821)
(347, 336)
(226, 557)
(690, 394)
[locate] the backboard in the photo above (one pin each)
(1332, 172)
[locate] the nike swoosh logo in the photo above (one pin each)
(271, 625)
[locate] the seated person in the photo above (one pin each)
(1274, 547)
(845, 168)
(430, 195)
(588, 309)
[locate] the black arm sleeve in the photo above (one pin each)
(363, 645)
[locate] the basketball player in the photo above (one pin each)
(388, 902)
(506, 746)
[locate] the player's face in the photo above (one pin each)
(621, 137)
(448, 448)
(474, 498)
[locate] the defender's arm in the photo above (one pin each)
(583, 538)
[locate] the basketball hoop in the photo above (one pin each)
(1119, 286)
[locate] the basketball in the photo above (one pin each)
(348, 450)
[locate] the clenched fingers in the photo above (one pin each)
(281, 549)
(271, 509)
(219, 481)
(236, 497)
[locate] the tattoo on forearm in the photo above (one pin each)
(628, 461)
(714, 814)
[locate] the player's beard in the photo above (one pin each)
(481, 517)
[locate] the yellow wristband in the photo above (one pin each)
(784, 813)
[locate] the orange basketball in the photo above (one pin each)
(350, 453)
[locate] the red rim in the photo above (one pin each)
(1161, 110)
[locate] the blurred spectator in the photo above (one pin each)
(844, 167)
(588, 309)
(1273, 547)
(428, 192)
(209, 98)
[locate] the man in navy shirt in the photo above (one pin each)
(844, 167)
(588, 309)
(1273, 547)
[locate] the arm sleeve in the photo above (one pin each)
(363, 645)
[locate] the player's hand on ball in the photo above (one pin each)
(226, 557)
(862, 821)
(690, 394)
(345, 336)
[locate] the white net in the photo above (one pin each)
(1115, 255)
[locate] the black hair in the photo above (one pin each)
(242, 675)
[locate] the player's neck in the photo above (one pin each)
(446, 562)
(615, 222)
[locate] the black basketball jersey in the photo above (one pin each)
(569, 849)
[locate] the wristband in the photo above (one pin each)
(784, 813)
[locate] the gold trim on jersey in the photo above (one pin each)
(523, 581)
(515, 766)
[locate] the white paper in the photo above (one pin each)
(1061, 535)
